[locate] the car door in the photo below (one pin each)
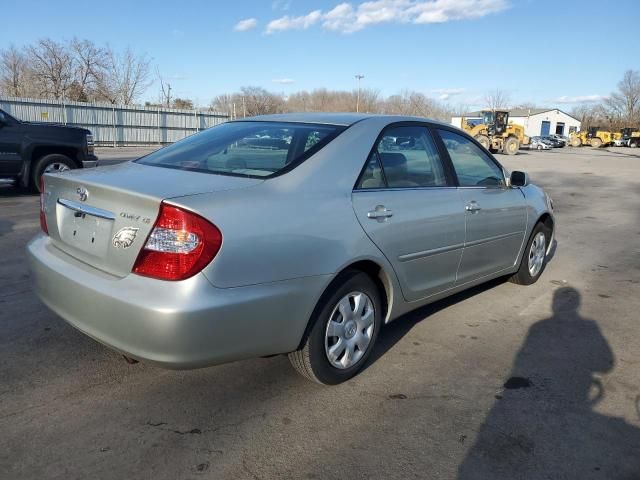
(407, 204)
(496, 214)
(10, 140)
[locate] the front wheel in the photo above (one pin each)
(511, 146)
(534, 259)
(53, 163)
(596, 142)
(484, 141)
(346, 323)
(576, 142)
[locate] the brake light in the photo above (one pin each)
(43, 212)
(180, 245)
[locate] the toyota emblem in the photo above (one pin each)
(83, 193)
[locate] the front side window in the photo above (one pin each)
(407, 157)
(250, 149)
(473, 166)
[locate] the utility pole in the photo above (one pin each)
(358, 77)
(168, 95)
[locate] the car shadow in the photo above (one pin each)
(393, 332)
(544, 424)
(7, 191)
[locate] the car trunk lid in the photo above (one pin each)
(103, 216)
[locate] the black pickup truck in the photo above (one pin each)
(27, 150)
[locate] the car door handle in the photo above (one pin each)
(380, 212)
(472, 206)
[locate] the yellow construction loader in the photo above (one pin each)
(593, 136)
(496, 134)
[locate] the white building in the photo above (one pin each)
(536, 121)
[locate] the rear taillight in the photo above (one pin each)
(180, 245)
(43, 204)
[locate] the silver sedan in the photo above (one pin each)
(298, 234)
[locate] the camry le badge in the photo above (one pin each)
(83, 193)
(124, 237)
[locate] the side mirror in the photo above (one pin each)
(519, 179)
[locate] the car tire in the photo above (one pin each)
(54, 162)
(318, 356)
(539, 147)
(535, 254)
(633, 144)
(511, 146)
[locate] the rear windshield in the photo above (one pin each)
(247, 149)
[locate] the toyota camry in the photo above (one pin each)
(298, 234)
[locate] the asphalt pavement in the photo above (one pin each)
(500, 382)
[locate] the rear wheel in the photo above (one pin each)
(534, 259)
(54, 163)
(576, 142)
(596, 142)
(633, 144)
(484, 141)
(539, 147)
(511, 146)
(346, 323)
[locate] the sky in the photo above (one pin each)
(550, 53)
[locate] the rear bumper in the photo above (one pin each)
(186, 324)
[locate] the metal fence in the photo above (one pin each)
(115, 125)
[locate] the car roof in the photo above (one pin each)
(343, 119)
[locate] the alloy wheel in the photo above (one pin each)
(537, 254)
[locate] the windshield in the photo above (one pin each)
(247, 149)
(487, 118)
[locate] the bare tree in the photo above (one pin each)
(223, 104)
(624, 104)
(13, 72)
(258, 101)
(90, 64)
(52, 66)
(496, 99)
(183, 103)
(126, 77)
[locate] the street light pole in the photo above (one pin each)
(358, 77)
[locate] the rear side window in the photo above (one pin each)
(473, 166)
(250, 149)
(404, 157)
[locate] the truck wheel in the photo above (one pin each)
(53, 163)
(346, 323)
(511, 146)
(596, 142)
(576, 142)
(484, 141)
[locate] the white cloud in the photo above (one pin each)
(447, 93)
(294, 23)
(246, 24)
(580, 99)
(283, 81)
(346, 18)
